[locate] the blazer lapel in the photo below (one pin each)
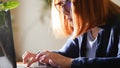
(83, 46)
(103, 39)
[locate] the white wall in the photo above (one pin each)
(117, 2)
(31, 33)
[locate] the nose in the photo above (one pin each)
(65, 12)
(66, 9)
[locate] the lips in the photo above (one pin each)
(70, 19)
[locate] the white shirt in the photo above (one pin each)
(91, 45)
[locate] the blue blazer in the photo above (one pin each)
(107, 52)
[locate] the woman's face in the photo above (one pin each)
(64, 6)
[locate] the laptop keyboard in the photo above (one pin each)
(35, 65)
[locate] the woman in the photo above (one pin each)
(94, 30)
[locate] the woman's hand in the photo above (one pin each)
(47, 57)
(29, 58)
(54, 59)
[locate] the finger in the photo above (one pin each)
(27, 56)
(33, 60)
(41, 54)
(51, 62)
(44, 59)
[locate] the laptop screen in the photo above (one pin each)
(7, 52)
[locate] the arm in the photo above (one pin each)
(83, 62)
(98, 62)
(70, 49)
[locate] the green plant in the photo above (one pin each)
(11, 4)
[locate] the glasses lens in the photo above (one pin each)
(67, 7)
(63, 6)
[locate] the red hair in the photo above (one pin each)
(86, 14)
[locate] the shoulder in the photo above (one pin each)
(113, 24)
(114, 20)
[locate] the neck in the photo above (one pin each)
(94, 32)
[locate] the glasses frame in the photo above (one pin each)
(64, 5)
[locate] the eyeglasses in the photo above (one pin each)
(64, 6)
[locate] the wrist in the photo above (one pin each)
(69, 62)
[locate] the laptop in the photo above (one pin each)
(7, 51)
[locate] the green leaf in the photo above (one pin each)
(11, 5)
(1, 6)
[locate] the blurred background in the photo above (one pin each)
(31, 27)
